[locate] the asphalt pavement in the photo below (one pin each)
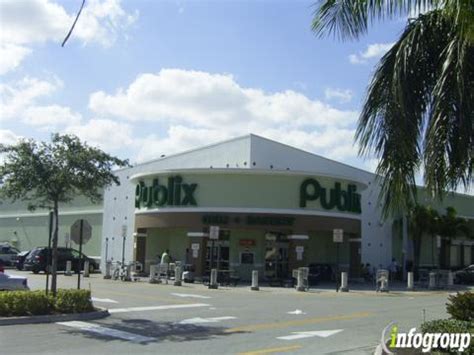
(192, 319)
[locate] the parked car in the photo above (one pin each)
(20, 259)
(13, 283)
(37, 259)
(465, 276)
(320, 272)
(8, 254)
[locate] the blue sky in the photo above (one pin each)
(143, 78)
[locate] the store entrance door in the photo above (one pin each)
(276, 257)
(220, 255)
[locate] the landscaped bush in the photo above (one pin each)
(73, 301)
(27, 303)
(24, 303)
(461, 306)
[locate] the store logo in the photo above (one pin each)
(344, 200)
(175, 193)
(425, 341)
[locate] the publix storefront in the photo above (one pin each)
(276, 208)
(268, 221)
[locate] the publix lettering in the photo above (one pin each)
(175, 193)
(344, 200)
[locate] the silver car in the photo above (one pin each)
(13, 283)
(8, 254)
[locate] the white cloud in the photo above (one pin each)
(198, 108)
(340, 95)
(105, 134)
(375, 50)
(21, 101)
(25, 23)
(50, 117)
(8, 137)
(18, 96)
(11, 56)
(208, 100)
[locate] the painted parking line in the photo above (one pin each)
(272, 350)
(199, 320)
(299, 322)
(114, 333)
(103, 300)
(157, 308)
(189, 295)
(310, 334)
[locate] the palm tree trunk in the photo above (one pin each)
(416, 252)
(432, 249)
(54, 265)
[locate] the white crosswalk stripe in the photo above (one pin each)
(157, 308)
(189, 295)
(199, 320)
(98, 329)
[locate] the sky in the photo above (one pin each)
(144, 78)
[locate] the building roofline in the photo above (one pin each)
(188, 151)
(314, 154)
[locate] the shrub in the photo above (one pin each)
(461, 306)
(73, 301)
(24, 303)
(27, 303)
(449, 326)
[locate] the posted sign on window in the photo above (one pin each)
(338, 236)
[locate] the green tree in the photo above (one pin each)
(46, 174)
(419, 223)
(433, 229)
(451, 226)
(419, 109)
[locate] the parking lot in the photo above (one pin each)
(160, 318)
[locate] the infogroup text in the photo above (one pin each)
(428, 341)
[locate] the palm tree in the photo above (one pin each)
(433, 229)
(419, 222)
(419, 109)
(451, 226)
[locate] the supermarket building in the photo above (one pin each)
(276, 207)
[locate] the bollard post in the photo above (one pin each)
(108, 270)
(128, 273)
(154, 275)
(410, 281)
(344, 282)
(432, 281)
(213, 279)
(450, 279)
(254, 286)
(177, 276)
(86, 268)
(68, 268)
(300, 283)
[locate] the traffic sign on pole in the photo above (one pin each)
(76, 231)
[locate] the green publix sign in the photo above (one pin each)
(178, 193)
(175, 193)
(344, 200)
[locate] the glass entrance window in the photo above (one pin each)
(220, 255)
(276, 256)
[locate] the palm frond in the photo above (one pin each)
(394, 115)
(351, 18)
(449, 138)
